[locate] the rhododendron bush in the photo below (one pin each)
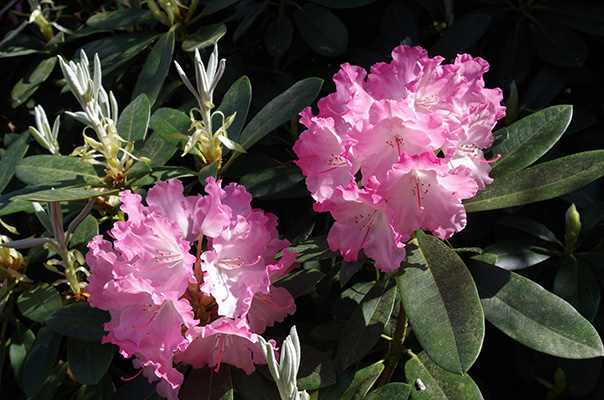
(352, 227)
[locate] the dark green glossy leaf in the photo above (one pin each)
(390, 391)
(316, 369)
(156, 149)
(366, 324)
(278, 36)
(89, 360)
(540, 182)
(315, 248)
(236, 100)
(300, 282)
(461, 35)
(116, 50)
(84, 232)
(349, 269)
(121, 18)
(584, 17)
(40, 359)
(20, 343)
(556, 43)
(172, 125)
(533, 316)
(209, 170)
(442, 304)
(591, 217)
(206, 384)
(515, 254)
(207, 35)
(14, 153)
(544, 87)
(279, 110)
(152, 77)
(343, 379)
(103, 390)
(322, 30)
(397, 24)
(51, 170)
(64, 194)
(252, 12)
(530, 226)
(271, 181)
(343, 4)
(363, 381)
(79, 321)
(530, 138)
(31, 82)
(576, 284)
(39, 302)
(345, 304)
(430, 382)
(254, 386)
(162, 174)
(214, 6)
(132, 123)
(52, 383)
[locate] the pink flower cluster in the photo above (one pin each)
(397, 150)
(168, 305)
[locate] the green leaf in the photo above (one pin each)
(515, 254)
(40, 359)
(576, 283)
(300, 282)
(584, 17)
(390, 391)
(278, 36)
(31, 82)
(343, 4)
(70, 193)
(397, 23)
(11, 157)
(312, 249)
(347, 301)
(316, 369)
(21, 341)
(363, 381)
(121, 18)
(52, 383)
(207, 35)
(162, 174)
(139, 388)
(530, 138)
(365, 326)
(154, 72)
(156, 149)
(539, 182)
(87, 229)
(54, 170)
(322, 30)
(461, 35)
(206, 384)
(116, 50)
(250, 13)
(89, 360)
(533, 316)
(556, 43)
(210, 170)
(271, 181)
(103, 390)
(430, 382)
(254, 386)
(79, 321)
(172, 125)
(213, 6)
(442, 304)
(132, 124)
(236, 100)
(530, 226)
(39, 302)
(279, 110)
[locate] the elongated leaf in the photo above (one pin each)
(343, 4)
(158, 150)
(39, 302)
(278, 36)
(251, 12)
(254, 386)
(121, 18)
(442, 305)
(584, 17)
(79, 321)
(31, 82)
(300, 282)
(513, 60)
(397, 23)
(316, 369)
(461, 35)
(206, 384)
(434, 383)
(133, 122)
(530, 226)
(576, 284)
(103, 390)
(283, 107)
(530, 138)
(515, 254)
(172, 125)
(50, 170)
(206, 36)
(236, 100)
(70, 193)
(394, 390)
(362, 382)
(271, 181)
(21, 341)
(322, 30)
(556, 43)
(14, 153)
(533, 316)
(89, 360)
(540, 182)
(40, 359)
(312, 249)
(52, 383)
(366, 324)
(116, 50)
(84, 232)
(152, 77)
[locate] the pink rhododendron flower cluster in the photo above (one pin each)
(398, 149)
(172, 301)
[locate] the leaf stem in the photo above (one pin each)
(396, 351)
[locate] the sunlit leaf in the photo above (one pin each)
(39, 302)
(118, 49)
(363, 381)
(122, 18)
(515, 254)
(271, 181)
(152, 77)
(206, 36)
(235, 101)
(49, 170)
(41, 357)
(32, 81)
(133, 121)
(14, 153)
(390, 391)
(64, 194)
(316, 369)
